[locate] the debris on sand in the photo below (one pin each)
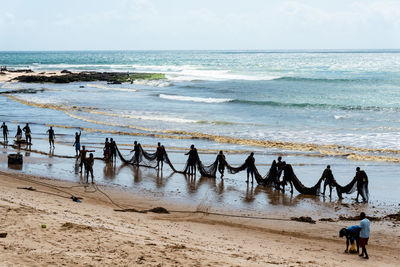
(74, 226)
(305, 219)
(159, 210)
(394, 217)
(327, 220)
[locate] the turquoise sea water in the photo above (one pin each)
(344, 98)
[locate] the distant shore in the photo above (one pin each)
(66, 76)
(92, 233)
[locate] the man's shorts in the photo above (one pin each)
(363, 242)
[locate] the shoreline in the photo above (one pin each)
(92, 233)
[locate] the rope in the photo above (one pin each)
(123, 209)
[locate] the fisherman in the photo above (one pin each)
(106, 150)
(5, 132)
(19, 134)
(275, 173)
(221, 163)
(82, 155)
(113, 150)
(362, 184)
(89, 167)
(364, 235)
(352, 234)
(286, 177)
(27, 131)
(250, 166)
(77, 143)
(160, 155)
(328, 180)
(52, 136)
(136, 149)
(192, 159)
(280, 164)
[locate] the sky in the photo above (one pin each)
(206, 24)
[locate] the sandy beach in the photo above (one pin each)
(91, 233)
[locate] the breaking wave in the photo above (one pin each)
(195, 99)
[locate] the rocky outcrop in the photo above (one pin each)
(110, 77)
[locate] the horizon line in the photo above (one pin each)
(215, 50)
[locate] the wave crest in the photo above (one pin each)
(195, 99)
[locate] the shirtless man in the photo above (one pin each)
(27, 131)
(52, 136)
(5, 132)
(77, 143)
(160, 155)
(82, 155)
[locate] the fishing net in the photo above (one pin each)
(290, 176)
(346, 189)
(271, 179)
(359, 183)
(146, 159)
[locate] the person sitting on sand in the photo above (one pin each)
(5, 132)
(77, 143)
(136, 149)
(352, 234)
(221, 163)
(329, 180)
(27, 131)
(160, 155)
(19, 134)
(250, 166)
(362, 184)
(89, 167)
(192, 160)
(82, 156)
(52, 136)
(364, 235)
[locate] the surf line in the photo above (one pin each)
(328, 150)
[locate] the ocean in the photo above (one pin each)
(315, 107)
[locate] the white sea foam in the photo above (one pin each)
(339, 117)
(154, 83)
(195, 99)
(105, 87)
(135, 115)
(53, 100)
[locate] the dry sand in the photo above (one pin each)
(91, 233)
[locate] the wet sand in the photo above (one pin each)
(92, 233)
